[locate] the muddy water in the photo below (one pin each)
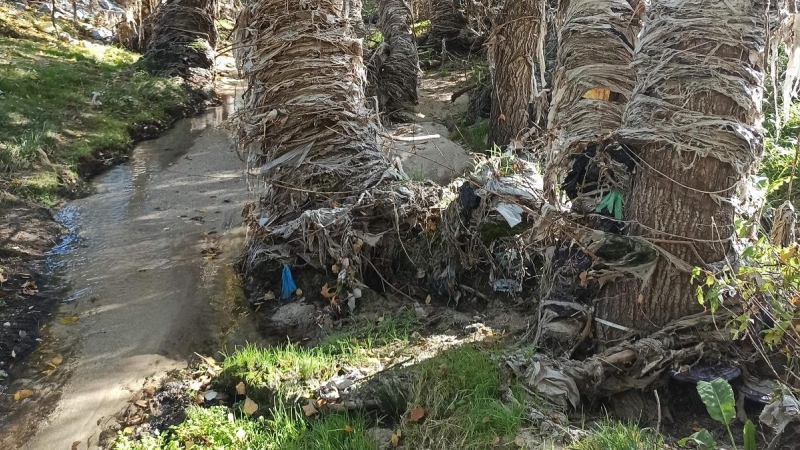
(148, 268)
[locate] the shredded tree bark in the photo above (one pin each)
(692, 125)
(515, 42)
(449, 30)
(592, 83)
(306, 131)
(182, 39)
(394, 65)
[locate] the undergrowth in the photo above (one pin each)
(619, 436)
(49, 124)
(460, 393)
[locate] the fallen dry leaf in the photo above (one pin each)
(417, 414)
(68, 320)
(140, 403)
(75, 445)
(150, 390)
(22, 394)
(3, 278)
(519, 440)
(269, 296)
(428, 299)
(250, 406)
(240, 389)
(328, 292)
(57, 360)
(396, 437)
(128, 430)
(309, 409)
(496, 441)
(348, 428)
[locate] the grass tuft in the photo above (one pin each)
(619, 436)
(218, 428)
(460, 391)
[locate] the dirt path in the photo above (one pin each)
(148, 265)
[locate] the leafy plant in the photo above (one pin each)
(721, 406)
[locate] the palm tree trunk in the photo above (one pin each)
(182, 41)
(692, 124)
(306, 130)
(394, 65)
(513, 46)
(592, 84)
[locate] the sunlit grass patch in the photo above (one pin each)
(220, 428)
(47, 114)
(461, 392)
(619, 436)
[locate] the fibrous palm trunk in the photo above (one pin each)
(308, 134)
(182, 41)
(592, 84)
(394, 65)
(449, 28)
(517, 40)
(692, 123)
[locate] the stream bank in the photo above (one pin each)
(147, 261)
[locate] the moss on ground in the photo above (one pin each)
(49, 126)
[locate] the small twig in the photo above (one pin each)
(587, 329)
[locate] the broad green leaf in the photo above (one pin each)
(749, 436)
(702, 439)
(718, 398)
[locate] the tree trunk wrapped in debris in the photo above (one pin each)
(182, 41)
(692, 123)
(591, 86)
(356, 21)
(306, 131)
(394, 64)
(449, 30)
(516, 41)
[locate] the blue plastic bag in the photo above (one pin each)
(288, 287)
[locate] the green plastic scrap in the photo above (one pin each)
(613, 203)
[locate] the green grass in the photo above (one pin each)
(218, 428)
(619, 436)
(460, 390)
(287, 371)
(48, 125)
(473, 136)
